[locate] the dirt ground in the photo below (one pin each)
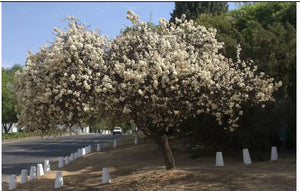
(141, 167)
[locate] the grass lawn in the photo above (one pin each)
(18, 135)
(141, 167)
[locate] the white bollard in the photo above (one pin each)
(32, 175)
(59, 180)
(135, 140)
(115, 143)
(90, 148)
(86, 150)
(12, 182)
(83, 151)
(79, 152)
(246, 157)
(67, 160)
(274, 153)
(219, 159)
(98, 147)
(71, 157)
(46, 166)
(24, 176)
(105, 176)
(60, 162)
(75, 155)
(40, 170)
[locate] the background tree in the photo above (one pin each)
(267, 33)
(226, 31)
(9, 113)
(269, 36)
(193, 10)
(265, 13)
(98, 124)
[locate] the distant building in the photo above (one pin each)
(13, 129)
(78, 130)
(86, 130)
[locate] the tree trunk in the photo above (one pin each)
(7, 127)
(163, 144)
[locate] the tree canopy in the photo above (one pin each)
(267, 34)
(59, 84)
(265, 13)
(9, 113)
(194, 9)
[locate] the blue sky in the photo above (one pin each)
(28, 25)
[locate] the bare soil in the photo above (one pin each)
(141, 167)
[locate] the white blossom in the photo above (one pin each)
(141, 92)
(162, 76)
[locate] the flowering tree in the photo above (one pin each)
(159, 78)
(154, 78)
(59, 83)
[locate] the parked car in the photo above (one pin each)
(117, 130)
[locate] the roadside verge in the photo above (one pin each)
(141, 167)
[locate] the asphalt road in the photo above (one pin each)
(24, 154)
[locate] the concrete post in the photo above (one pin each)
(219, 159)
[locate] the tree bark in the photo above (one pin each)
(163, 144)
(7, 127)
(161, 141)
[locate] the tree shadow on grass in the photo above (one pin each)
(141, 167)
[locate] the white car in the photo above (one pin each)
(117, 130)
